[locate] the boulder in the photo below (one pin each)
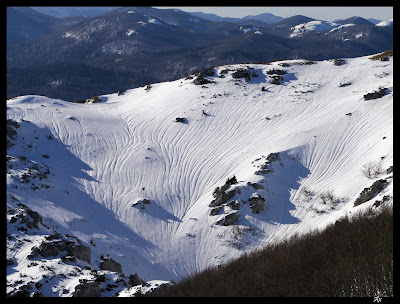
(257, 204)
(222, 198)
(230, 218)
(371, 192)
(56, 243)
(134, 280)
(215, 211)
(376, 94)
(87, 289)
(110, 265)
(235, 205)
(242, 73)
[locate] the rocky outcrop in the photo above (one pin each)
(109, 264)
(134, 280)
(371, 192)
(257, 204)
(200, 80)
(142, 203)
(221, 195)
(27, 216)
(229, 219)
(339, 61)
(87, 289)
(215, 211)
(242, 73)
(222, 198)
(57, 243)
(11, 133)
(180, 119)
(376, 94)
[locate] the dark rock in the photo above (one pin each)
(385, 199)
(242, 73)
(180, 119)
(257, 186)
(257, 204)
(276, 79)
(110, 265)
(389, 170)
(235, 205)
(371, 192)
(222, 198)
(134, 280)
(339, 61)
(215, 211)
(200, 80)
(231, 181)
(87, 289)
(276, 71)
(376, 94)
(57, 243)
(230, 219)
(272, 157)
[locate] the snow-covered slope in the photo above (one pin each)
(385, 23)
(126, 175)
(316, 25)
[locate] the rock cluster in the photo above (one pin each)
(370, 192)
(57, 243)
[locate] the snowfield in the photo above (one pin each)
(126, 176)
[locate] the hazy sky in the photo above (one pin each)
(324, 12)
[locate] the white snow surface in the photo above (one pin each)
(385, 23)
(108, 156)
(316, 25)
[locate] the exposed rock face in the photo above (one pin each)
(339, 61)
(229, 219)
(111, 265)
(242, 73)
(376, 94)
(180, 119)
(234, 205)
(11, 133)
(276, 71)
(141, 203)
(257, 204)
(56, 243)
(29, 217)
(201, 74)
(371, 192)
(87, 289)
(134, 280)
(215, 211)
(222, 198)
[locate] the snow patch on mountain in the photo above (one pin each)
(316, 25)
(126, 175)
(385, 23)
(341, 27)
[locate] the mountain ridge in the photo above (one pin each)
(295, 134)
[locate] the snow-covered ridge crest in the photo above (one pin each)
(316, 25)
(385, 23)
(171, 178)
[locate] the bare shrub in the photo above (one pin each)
(353, 257)
(372, 170)
(328, 197)
(305, 191)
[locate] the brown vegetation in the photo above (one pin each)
(353, 257)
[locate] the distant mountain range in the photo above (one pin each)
(77, 57)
